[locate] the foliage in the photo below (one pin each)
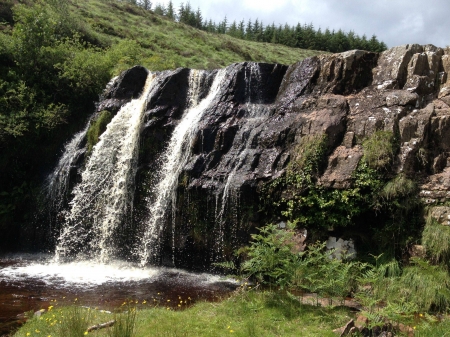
(436, 239)
(75, 322)
(299, 36)
(433, 328)
(421, 287)
(125, 323)
(97, 127)
(273, 260)
(246, 313)
(379, 149)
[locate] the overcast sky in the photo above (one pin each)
(394, 22)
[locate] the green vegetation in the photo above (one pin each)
(300, 36)
(247, 313)
(97, 127)
(379, 150)
(375, 193)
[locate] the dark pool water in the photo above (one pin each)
(33, 282)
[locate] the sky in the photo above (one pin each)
(395, 22)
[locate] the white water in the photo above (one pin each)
(173, 160)
(85, 274)
(57, 183)
(105, 195)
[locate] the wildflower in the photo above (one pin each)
(228, 327)
(168, 300)
(85, 333)
(414, 327)
(179, 305)
(76, 299)
(421, 315)
(37, 331)
(144, 301)
(28, 334)
(231, 331)
(50, 307)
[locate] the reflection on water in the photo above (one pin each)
(32, 282)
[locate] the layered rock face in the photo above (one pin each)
(248, 135)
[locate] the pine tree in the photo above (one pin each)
(249, 30)
(170, 12)
(198, 19)
(146, 4)
(241, 29)
(159, 9)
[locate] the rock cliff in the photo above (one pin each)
(253, 131)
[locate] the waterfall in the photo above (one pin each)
(173, 160)
(104, 196)
(255, 118)
(57, 183)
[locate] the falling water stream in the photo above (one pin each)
(173, 160)
(105, 195)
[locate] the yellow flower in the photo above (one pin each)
(228, 327)
(37, 331)
(50, 307)
(28, 334)
(231, 331)
(144, 301)
(85, 333)
(168, 300)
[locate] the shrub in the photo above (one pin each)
(379, 150)
(436, 239)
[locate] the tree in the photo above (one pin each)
(170, 12)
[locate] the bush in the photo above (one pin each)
(436, 239)
(379, 150)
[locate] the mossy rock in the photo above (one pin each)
(98, 126)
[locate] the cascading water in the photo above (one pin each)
(105, 194)
(57, 183)
(256, 116)
(173, 160)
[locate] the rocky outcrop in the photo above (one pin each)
(248, 135)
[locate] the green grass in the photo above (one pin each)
(167, 44)
(247, 313)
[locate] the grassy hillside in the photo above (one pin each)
(167, 44)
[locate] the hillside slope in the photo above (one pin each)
(168, 44)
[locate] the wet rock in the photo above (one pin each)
(341, 165)
(129, 84)
(249, 134)
(441, 214)
(417, 251)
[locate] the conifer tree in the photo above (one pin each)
(170, 12)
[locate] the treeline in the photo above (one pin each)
(303, 36)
